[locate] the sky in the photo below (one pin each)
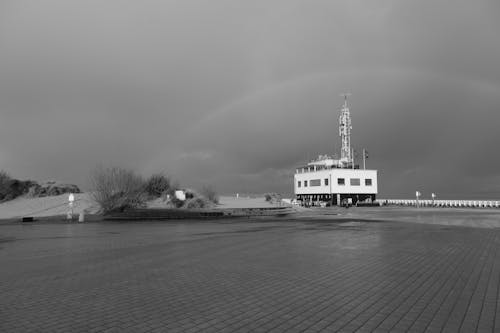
(236, 94)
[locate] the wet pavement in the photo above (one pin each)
(337, 273)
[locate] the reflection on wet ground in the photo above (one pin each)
(346, 271)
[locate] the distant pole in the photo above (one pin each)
(352, 158)
(364, 159)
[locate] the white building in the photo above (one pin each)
(322, 180)
(336, 181)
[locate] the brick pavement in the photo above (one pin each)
(249, 275)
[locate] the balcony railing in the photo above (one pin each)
(312, 168)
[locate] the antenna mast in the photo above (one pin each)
(345, 132)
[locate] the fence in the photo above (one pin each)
(442, 203)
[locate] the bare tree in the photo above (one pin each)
(117, 189)
(209, 193)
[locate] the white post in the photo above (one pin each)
(81, 217)
(417, 194)
(71, 199)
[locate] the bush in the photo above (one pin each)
(117, 189)
(195, 203)
(209, 193)
(11, 188)
(176, 203)
(4, 176)
(158, 185)
(272, 197)
(51, 188)
(4, 184)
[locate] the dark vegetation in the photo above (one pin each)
(159, 185)
(117, 189)
(209, 193)
(11, 188)
(272, 197)
(114, 189)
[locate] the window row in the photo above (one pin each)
(340, 181)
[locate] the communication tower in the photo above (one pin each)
(345, 128)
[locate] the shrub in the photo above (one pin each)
(210, 194)
(116, 189)
(4, 184)
(176, 203)
(196, 202)
(158, 185)
(190, 194)
(272, 197)
(4, 176)
(11, 188)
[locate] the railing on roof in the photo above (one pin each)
(314, 168)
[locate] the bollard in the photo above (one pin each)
(81, 217)
(71, 199)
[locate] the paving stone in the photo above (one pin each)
(249, 275)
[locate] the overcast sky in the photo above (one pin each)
(237, 93)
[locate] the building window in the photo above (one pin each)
(315, 182)
(341, 181)
(355, 182)
(305, 183)
(326, 181)
(368, 182)
(298, 184)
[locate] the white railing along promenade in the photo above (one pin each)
(441, 203)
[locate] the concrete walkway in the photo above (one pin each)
(305, 275)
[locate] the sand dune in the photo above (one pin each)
(46, 206)
(58, 205)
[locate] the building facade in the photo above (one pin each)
(322, 183)
(337, 181)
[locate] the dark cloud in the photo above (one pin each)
(237, 94)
